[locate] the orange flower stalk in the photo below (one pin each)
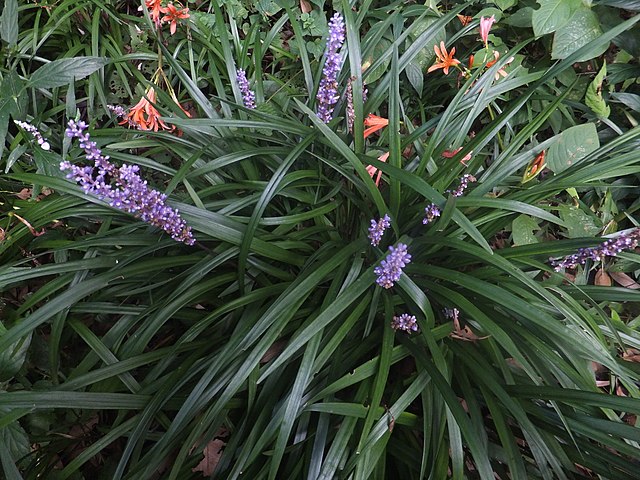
(144, 115)
(446, 59)
(371, 170)
(374, 123)
(173, 16)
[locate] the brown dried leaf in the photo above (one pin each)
(24, 194)
(274, 350)
(465, 333)
(33, 231)
(602, 278)
(625, 280)
(212, 453)
(305, 6)
(2, 234)
(631, 355)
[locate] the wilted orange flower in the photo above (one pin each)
(446, 59)
(173, 16)
(144, 115)
(452, 153)
(374, 123)
(502, 71)
(465, 19)
(371, 170)
(154, 7)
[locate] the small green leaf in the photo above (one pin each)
(522, 228)
(62, 72)
(593, 97)
(14, 438)
(582, 28)
(9, 22)
(571, 146)
(13, 357)
(579, 224)
(552, 15)
(415, 76)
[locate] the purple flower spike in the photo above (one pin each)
(44, 145)
(464, 183)
(248, 97)
(390, 268)
(609, 248)
(405, 322)
(123, 188)
(376, 230)
(431, 212)
(328, 90)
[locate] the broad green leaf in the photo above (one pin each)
(593, 97)
(523, 18)
(12, 358)
(582, 28)
(426, 55)
(9, 22)
(630, 100)
(380, 48)
(415, 77)
(523, 227)
(579, 224)
(571, 146)
(504, 4)
(14, 438)
(63, 71)
(552, 15)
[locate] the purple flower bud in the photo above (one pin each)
(328, 89)
(44, 144)
(432, 211)
(376, 230)
(390, 268)
(464, 183)
(405, 322)
(248, 97)
(610, 248)
(123, 188)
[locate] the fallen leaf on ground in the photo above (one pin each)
(212, 453)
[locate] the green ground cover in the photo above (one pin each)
(315, 240)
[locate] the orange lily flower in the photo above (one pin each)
(144, 115)
(154, 7)
(173, 15)
(446, 59)
(371, 170)
(374, 123)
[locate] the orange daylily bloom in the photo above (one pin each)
(144, 115)
(173, 16)
(446, 59)
(374, 123)
(154, 7)
(371, 170)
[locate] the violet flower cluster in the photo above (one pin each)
(123, 188)
(464, 183)
(248, 96)
(390, 268)
(44, 145)
(609, 248)
(405, 322)
(328, 89)
(376, 230)
(431, 212)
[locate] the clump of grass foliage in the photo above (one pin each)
(266, 349)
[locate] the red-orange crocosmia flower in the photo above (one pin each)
(144, 115)
(374, 123)
(371, 170)
(501, 71)
(446, 59)
(173, 16)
